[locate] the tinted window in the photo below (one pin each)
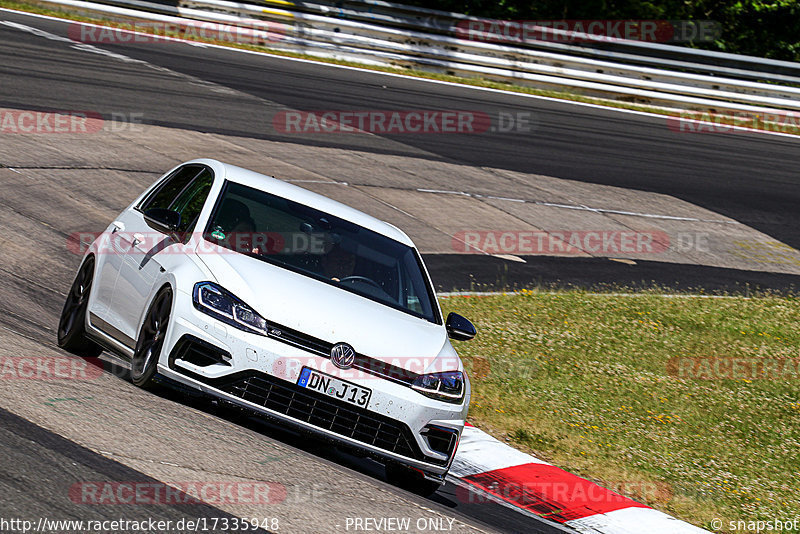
(173, 186)
(321, 246)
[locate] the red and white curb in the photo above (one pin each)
(485, 468)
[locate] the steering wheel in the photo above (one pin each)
(356, 278)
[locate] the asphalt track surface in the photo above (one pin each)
(750, 178)
(40, 465)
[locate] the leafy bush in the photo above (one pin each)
(759, 28)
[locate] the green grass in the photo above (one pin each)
(581, 380)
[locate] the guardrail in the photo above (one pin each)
(619, 50)
(424, 39)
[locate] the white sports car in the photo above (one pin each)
(282, 301)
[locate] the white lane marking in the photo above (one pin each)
(579, 207)
(328, 182)
(449, 294)
(415, 78)
(84, 47)
(444, 192)
(509, 257)
(633, 521)
(506, 199)
(77, 46)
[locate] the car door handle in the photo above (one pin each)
(137, 239)
(117, 227)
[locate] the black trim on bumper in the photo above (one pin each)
(320, 411)
(322, 348)
(201, 353)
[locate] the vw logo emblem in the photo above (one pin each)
(343, 356)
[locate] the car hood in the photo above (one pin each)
(327, 312)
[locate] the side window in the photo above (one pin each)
(190, 202)
(171, 188)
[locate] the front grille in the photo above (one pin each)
(321, 411)
(299, 339)
(323, 348)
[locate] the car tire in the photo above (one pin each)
(151, 340)
(410, 480)
(72, 323)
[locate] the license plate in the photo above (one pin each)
(334, 387)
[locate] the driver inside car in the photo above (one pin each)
(338, 263)
(234, 224)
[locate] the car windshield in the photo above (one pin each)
(321, 246)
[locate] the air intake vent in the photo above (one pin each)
(441, 439)
(198, 352)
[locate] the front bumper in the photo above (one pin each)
(260, 373)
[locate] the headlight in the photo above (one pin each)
(447, 387)
(211, 299)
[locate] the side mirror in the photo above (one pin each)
(164, 220)
(459, 328)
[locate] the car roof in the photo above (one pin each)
(304, 196)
